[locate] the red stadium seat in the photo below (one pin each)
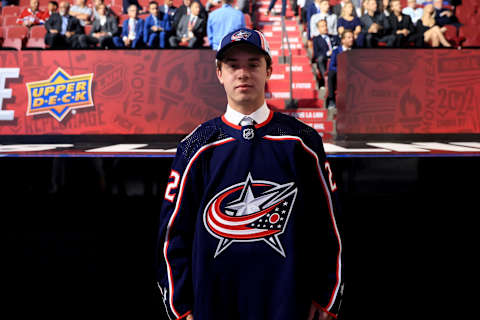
(10, 11)
(116, 9)
(87, 29)
(15, 37)
(10, 20)
(248, 21)
(122, 18)
(37, 32)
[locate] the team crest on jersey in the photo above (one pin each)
(249, 211)
(240, 35)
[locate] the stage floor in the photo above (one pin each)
(165, 146)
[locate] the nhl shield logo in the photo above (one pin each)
(250, 211)
(248, 133)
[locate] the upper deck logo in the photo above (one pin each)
(59, 94)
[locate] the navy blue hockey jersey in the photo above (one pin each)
(248, 227)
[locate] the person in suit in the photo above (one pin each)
(347, 40)
(323, 14)
(323, 46)
(103, 30)
(64, 30)
(132, 30)
(402, 28)
(156, 26)
(127, 3)
(169, 10)
(190, 29)
(374, 24)
(184, 9)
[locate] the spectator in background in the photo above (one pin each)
(63, 30)
(337, 9)
(31, 16)
(323, 46)
(348, 21)
(444, 16)
(81, 12)
(214, 4)
(242, 5)
(374, 24)
(9, 3)
(156, 27)
(222, 21)
(184, 9)
(347, 40)
(95, 14)
(412, 11)
(103, 30)
(132, 30)
(432, 33)
(127, 3)
(272, 4)
(190, 29)
(402, 28)
(323, 14)
(168, 10)
(384, 6)
(52, 8)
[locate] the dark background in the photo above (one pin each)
(80, 236)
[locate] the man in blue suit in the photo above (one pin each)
(323, 46)
(347, 44)
(157, 26)
(132, 30)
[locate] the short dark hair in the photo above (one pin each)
(55, 3)
(345, 32)
(152, 2)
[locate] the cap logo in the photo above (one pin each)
(241, 35)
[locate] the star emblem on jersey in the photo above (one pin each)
(250, 211)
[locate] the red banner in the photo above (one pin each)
(408, 91)
(107, 92)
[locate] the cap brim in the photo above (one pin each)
(221, 53)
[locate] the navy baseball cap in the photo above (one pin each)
(243, 36)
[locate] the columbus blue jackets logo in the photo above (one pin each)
(240, 35)
(253, 210)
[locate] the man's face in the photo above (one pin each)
(169, 3)
(195, 8)
(244, 74)
(324, 6)
(51, 7)
(80, 3)
(132, 11)
(347, 41)
(412, 3)
(153, 9)
(187, 2)
(396, 6)
(34, 5)
(322, 27)
(438, 4)
(64, 8)
(101, 9)
(371, 5)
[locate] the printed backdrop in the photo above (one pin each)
(108, 92)
(409, 91)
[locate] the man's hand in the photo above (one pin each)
(189, 317)
(373, 28)
(447, 13)
(322, 315)
(53, 31)
(68, 34)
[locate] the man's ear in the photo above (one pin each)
(269, 72)
(219, 75)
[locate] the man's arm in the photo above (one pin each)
(174, 250)
(321, 196)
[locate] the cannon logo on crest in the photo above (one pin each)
(250, 211)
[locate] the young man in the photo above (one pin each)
(223, 21)
(374, 24)
(248, 227)
(347, 44)
(82, 12)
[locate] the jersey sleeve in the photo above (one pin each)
(324, 206)
(175, 237)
